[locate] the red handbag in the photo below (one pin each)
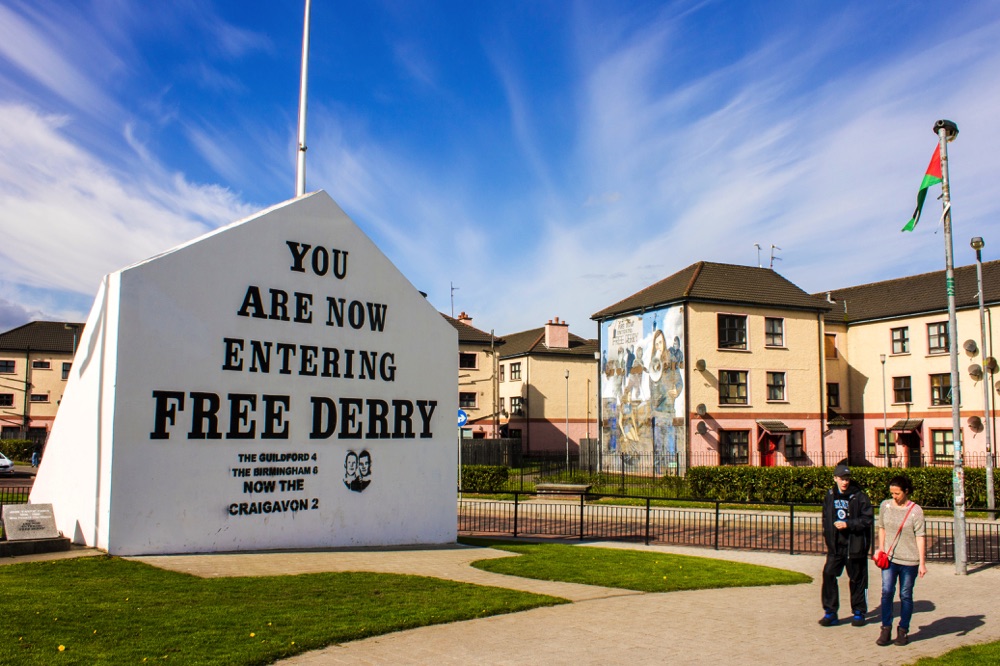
(881, 558)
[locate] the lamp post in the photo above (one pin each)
(978, 244)
(567, 421)
(885, 420)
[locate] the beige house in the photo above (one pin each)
(892, 371)
(547, 381)
(35, 362)
(740, 382)
(478, 393)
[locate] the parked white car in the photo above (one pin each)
(6, 466)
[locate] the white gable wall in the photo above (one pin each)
(181, 490)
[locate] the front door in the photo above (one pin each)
(768, 447)
(910, 443)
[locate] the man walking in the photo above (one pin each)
(847, 524)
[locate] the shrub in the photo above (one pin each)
(932, 486)
(484, 478)
(17, 449)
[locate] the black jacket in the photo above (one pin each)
(860, 518)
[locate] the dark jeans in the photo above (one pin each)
(857, 572)
(907, 576)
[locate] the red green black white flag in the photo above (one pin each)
(932, 177)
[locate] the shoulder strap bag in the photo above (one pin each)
(881, 557)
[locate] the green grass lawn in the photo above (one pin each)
(629, 569)
(987, 653)
(106, 610)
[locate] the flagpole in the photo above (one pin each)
(300, 170)
(947, 131)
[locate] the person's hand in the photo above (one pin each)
(922, 570)
(840, 525)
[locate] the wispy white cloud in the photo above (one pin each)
(68, 218)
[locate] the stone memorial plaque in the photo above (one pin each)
(29, 521)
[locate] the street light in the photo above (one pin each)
(978, 244)
(567, 421)
(885, 420)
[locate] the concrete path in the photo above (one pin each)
(772, 625)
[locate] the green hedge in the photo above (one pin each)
(484, 478)
(17, 449)
(932, 486)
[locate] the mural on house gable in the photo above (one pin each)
(642, 391)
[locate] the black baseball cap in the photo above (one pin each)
(842, 470)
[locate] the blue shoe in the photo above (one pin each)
(858, 620)
(829, 620)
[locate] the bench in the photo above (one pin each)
(563, 488)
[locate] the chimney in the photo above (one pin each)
(464, 318)
(557, 334)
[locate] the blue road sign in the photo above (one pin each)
(463, 418)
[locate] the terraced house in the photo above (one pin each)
(35, 362)
(726, 364)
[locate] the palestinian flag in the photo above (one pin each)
(932, 177)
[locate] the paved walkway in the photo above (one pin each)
(773, 625)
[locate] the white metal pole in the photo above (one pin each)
(300, 169)
(947, 131)
(885, 419)
(977, 245)
(567, 422)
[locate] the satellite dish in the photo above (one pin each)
(702, 427)
(990, 364)
(975, 424)
(970, 347)
(700, 364)
(976, 371)
(701, 409)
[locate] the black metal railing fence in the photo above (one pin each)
(709, 524)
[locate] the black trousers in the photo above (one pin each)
(857, 572)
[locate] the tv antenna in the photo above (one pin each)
(773, 258)
(757, 245)
(453, 290)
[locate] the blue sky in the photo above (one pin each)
(546, 158)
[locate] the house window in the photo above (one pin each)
(774, 332)
(732, 331)
(517, 405)
(901, 340)
(734, 447)
(39, 397)
(501, 372)
(6, 399)
(501, 407)
(830, 345)
(7, 366)
(937, 338)
(468, 360)
(794, 448)
(467, 400)
(40, 365)
(514, 433)
(943, 442)
(832, 394)
(732, 387)
(65, 371)
(881, 443)
(901, 390)
(775, 386)
(515, 372)
(941, 389)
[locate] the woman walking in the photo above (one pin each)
(901, 537)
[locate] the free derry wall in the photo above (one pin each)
(274, 384)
